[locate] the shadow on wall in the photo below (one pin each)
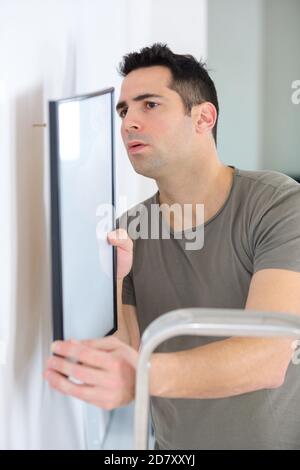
(32, 259)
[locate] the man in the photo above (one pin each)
(207, 393)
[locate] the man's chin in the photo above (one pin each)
(150, 168)
(148, 173)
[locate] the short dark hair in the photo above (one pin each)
(190, 78)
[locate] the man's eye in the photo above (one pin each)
(122, 113)
(151, 104)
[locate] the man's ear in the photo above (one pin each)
(204, 117)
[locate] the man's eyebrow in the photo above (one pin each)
(121, 104)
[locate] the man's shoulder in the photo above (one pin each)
(265, 197)
(266, 181)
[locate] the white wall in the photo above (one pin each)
(282, 67)
(48, 50)
(183, 26)
(235, 57)
(253, 51)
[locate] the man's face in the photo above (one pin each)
(154, 114)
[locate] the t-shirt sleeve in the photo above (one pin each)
(128, 294)
(276, 239)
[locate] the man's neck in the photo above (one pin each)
(209, 184)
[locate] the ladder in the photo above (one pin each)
(200, 322)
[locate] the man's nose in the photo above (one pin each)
(131, 121)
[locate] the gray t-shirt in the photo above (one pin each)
(257, 227)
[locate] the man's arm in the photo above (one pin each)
(225, 368)
(236, 365)
(128, 330)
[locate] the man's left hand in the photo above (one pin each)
(105, 368)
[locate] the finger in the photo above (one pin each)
(121, 239)
(98, 396)
(109, 343)
(114, 344)
(83, 354)
(65, 386)
(92, 343)
(87, 375)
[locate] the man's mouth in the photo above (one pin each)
(134, 148)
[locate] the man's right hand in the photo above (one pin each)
(121, 240)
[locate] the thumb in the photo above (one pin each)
(120, 238)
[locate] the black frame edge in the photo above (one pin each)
(56, 288)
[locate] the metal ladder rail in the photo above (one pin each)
(200, 322)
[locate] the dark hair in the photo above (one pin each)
(190, 78)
